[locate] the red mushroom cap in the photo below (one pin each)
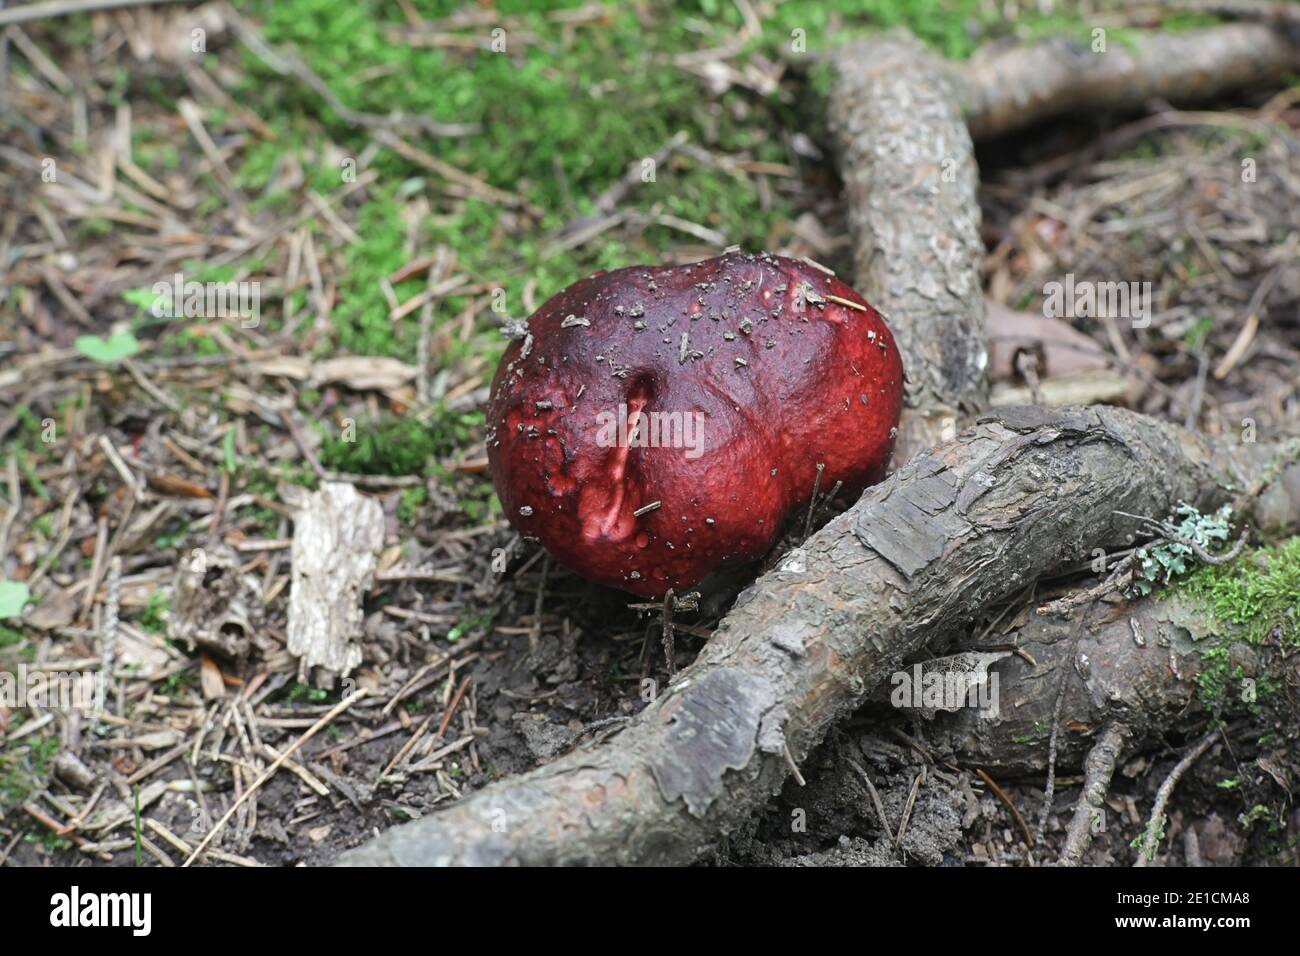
(657, 423)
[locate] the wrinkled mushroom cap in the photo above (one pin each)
(657, 423)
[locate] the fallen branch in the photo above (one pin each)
(1011, 89)
(953, 533)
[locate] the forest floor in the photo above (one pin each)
(385, 259)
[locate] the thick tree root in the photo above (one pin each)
(1007, 90)
(954, 532)
(910, 176)
(1141, 663)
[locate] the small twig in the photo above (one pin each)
(307, 453)
(670, 644)
(1050, 789)
(59, 829)
(1120, 577)
(1248, 329)
(1155, 824)
(478, 187)
(1205, 556)
(120, 467)
(812, 503)
(9, 847)
(15, 503)
(406, 747)
(913, 743)
(1098, 767)
(1024, 828)
(435, 275)
(451, 707)
(112, 605)
(64, 8)
(608, 200)
(875, 800)
(153, 390)
(1169, 533)
(535, 633)
(1198, 390)
(907, 808)
(1027, 366)
(794, 767)
(830, 495)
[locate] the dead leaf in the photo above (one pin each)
(56, 609)
(168, 484)
(363, 372)
(1064, 349)
(285, 366)
(1089, 387)
(214, 688)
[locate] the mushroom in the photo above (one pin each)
(658, 423)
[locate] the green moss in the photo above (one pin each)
(1259, 592)
(93, 228)
(479, 503)
(33, 480)
(180, 684)
(390, 445)
(563, 113)
(1257, 599)
(1196, 336)
(302, 692)
(361, 315)
(385, 446)
(154, 616)
(265, 522)
(411, 500)
(24, 769)
(51, 841)
(189, 342)
(1040, 731)
(468, 625)
(560, 123)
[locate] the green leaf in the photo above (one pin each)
(228, 448)
(108, 351)
(144, 298)
(13, 598)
